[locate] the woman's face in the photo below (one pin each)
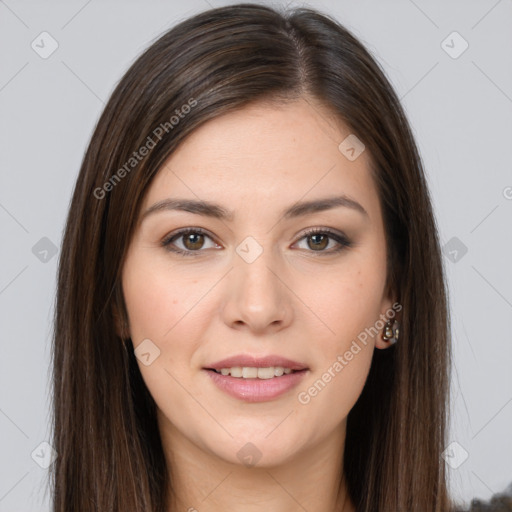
(253, 284)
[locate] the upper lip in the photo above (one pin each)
(256, 362)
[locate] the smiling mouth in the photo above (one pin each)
(251, 372)
(256, 383)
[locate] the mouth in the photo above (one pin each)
(254, 379)
(249, 363)
(253, 372)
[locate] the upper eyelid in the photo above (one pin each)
(184, 231)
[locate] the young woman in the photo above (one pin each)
(251, 309)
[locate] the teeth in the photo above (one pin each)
(236, 371)
(266, 373)
(248, 372)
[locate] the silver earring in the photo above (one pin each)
(391, 331)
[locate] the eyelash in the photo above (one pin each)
(340, 239)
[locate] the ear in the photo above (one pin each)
(390, 312)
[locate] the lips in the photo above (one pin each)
(288, 375)
(256, 362)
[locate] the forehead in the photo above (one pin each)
(266, 156)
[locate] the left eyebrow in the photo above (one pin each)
(319, 205)
(210, 209)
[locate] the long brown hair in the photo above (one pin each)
(110, 456)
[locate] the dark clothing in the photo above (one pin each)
(501, 502)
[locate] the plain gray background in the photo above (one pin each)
(459, 104)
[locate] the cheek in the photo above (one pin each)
(158, 299)
(162, 307)
(343, 354)
(349, 304)
(172, 309)
(348, 300)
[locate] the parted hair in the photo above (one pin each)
(110, 455)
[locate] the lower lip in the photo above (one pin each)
(256, 390)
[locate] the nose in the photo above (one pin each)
(257, 297)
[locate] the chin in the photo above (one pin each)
(257, 452)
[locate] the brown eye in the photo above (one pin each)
(193, 241)
(318, 242)
(324, 241)
(189, 242)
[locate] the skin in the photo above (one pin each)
(293, 301)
